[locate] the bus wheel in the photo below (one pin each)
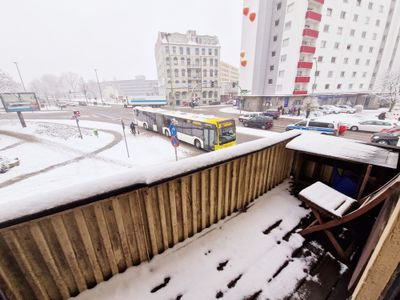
(197, 144)
(166, 133)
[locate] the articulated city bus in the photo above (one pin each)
(203, 131)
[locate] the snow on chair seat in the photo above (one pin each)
(327, 199)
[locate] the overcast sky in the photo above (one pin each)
(115, 36)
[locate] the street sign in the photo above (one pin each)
(174, 141)
(172, 129)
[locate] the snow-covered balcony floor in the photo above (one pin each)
(251, 253)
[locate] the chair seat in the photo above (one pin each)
(327, 199)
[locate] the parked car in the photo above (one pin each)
(395, 129)
(262, 122)
(215, 103)
(371, 125)
(82, 103)
(247, 116)
(318, 126)
(274, 113)
(325, 110)
(385, 138)
(346, 109)
(334, 109)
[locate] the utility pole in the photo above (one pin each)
(98, 84)
(20, 77)
(170, 66)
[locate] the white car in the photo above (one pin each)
(248, 116)
(332, 108)
(371, 125)
(346, 109)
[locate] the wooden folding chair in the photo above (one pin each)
(332, 208)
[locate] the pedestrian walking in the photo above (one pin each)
(133, 129)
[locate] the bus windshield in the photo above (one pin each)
(226, 135)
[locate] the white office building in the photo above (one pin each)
(314, 46)
(229, 79)
(187, 67)
(139, 86)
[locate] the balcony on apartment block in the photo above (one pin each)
(312, 15)
(304, 65)
(299, 92)
(307, 32)
(302, 79)
(307, 49)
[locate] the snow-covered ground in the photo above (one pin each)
(248, 247)
(52, 155)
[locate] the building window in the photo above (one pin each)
(330, 74)
(316, 73)
(187, 51)
(340, 30)
(367, 62)
(357, 61)
(358, 2)
(209, 51)
(211, 62)
(216, 73)
(290, 7)
(329, 12)
(378, 22)
(273, 53)
(367, 19)
(175, 61)
(355, 18)
(182, 61)
(336, 46)
(285, 43)
(215, 52)
(183, 72)
(211, 73)
(350, 86)
(269, 81)
(204, 61)
(203, 51)
(181, 50)
(370, 5)
(288, 25)
(275, 38)
(360, 48)
(326, 28)
(327, 86)
(339, 86)
(343, 15)
(354, 74)
(168, 73)
(197, 51)
(333, 59)
(342, 73)
(364, 74)
(276, 22)
(320, 58)
(188, 61)
(374, 36)
(348, 47)
(361, 85)
(380, 8)
(352, 32)
(271, 67)
(323, 44)
(204, 73)
(278, 6)
(173, 50)
(283, 58)
(346, 60)
(281, 73)
(210, 94)
(216, 62)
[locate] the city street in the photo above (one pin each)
(115, 113)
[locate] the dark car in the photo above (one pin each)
(273, 113)
(262, 122)
(384, 138)
(82, 103)
(215, 103)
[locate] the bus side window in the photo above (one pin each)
(197, 130)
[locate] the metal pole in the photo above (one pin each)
(79, 128)
(21, 119)
(98, 84)
(20, 77)
(170, 66)
(176, 154)
(126, 144)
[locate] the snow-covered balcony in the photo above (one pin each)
(222, 224)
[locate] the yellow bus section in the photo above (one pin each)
(222, 123)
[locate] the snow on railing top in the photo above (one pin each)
(49, 199)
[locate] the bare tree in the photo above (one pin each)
(71, 81)
(7, 84)
(391, 89)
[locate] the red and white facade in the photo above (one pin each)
(299, 47)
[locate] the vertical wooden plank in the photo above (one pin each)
(68, 251)
(45, 252)
(119, 218)
(87, 242)
(185, 204)
(246, 178)
(263, 171)
(179, 214)
(258, 175)
(205, 199)
(220, 190)
(213, 194)
(138, 226)
(228, 188)
(196, 195)
(242, 180)
(174, 217)
(252, 176)
(268, 170)
(271, 170)
(234, 193)
(30, 276)
(101, 222)
(163, 218)
(151, 218)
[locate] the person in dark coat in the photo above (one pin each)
(133, 128)
(382, 116)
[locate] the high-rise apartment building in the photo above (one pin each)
(314, 46)
(187, 67)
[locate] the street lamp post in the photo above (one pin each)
(98, 84)
(20, 77)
